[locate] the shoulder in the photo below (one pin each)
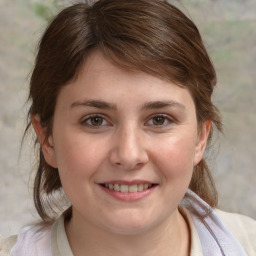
(31, 240)
(6, 244)
(242, 227)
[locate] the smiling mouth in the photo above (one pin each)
(128, 188)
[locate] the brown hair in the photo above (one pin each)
(152, 36)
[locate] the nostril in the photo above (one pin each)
(127, 158)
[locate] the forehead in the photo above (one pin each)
(100, 79)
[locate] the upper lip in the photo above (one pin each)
(125, 182)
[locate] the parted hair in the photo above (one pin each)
(151, 36)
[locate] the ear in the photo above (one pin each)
(46, 142)
(202, 141)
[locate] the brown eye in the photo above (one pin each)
(158, 120)
(96, 121)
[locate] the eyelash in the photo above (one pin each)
(167, 120)
(89, 118)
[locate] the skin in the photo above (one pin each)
(111, 125)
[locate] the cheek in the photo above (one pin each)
(175, 156)
(77, 158)
(78, 161)
(174, 159)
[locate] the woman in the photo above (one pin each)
(121, 105)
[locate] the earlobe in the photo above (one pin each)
(202, 141)
(46, 142)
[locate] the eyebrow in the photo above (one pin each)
(94, 103)
(110, 106)
(163, 104)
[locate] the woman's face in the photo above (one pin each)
(125, 144)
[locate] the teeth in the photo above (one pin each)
(133, 188)
(145, 186)
(126, 188)
(140, 187)
(116, 187)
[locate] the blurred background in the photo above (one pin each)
(228, 28)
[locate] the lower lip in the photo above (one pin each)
(128, 197)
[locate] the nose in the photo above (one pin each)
(129, 151)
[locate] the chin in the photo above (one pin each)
(130, 226)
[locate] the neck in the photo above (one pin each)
(168, 238)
